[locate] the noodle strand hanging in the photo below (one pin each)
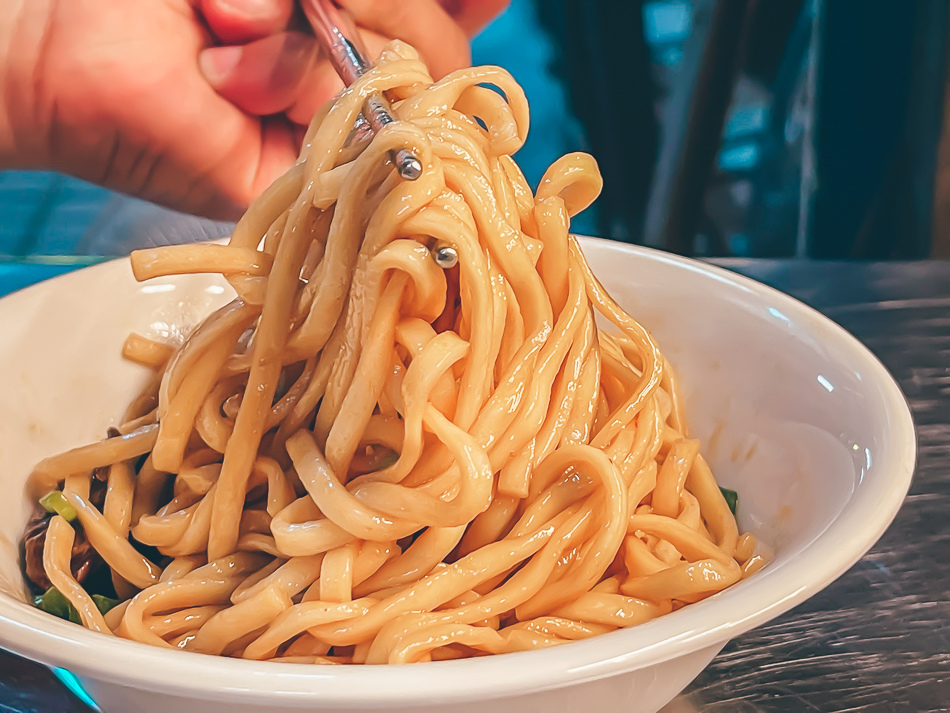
(378, 452)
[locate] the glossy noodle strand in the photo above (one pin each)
(369, 456)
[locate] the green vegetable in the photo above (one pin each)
(732, 499)
(104, 604)
(388, 460)
(55, 502)
(53, 602)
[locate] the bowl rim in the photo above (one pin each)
(870, 510)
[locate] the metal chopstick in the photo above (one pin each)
(340, 40)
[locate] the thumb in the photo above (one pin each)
(262, 77)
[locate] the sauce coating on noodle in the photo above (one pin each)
(372, 456)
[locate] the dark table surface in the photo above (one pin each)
(878, 639)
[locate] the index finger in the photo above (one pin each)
(473, 15)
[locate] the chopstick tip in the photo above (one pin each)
(408, 166)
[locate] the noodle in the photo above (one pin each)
(370, 457)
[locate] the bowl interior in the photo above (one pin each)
(786, 416)
(794, 414)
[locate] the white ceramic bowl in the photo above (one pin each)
(795, 415)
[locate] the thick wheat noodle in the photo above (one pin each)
(182, 259)
(146, 352)
(367, 457)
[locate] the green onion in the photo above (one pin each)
(732, 499)
(55, 502)
(53, 602)
(104, 604)
(388, 460)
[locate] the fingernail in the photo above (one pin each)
(250, 8)
(217, 63)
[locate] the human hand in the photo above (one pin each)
(196, 104)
